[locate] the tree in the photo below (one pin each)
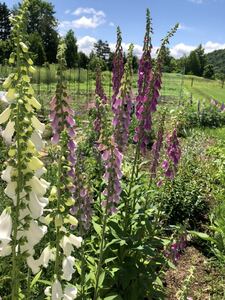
(221, 76)
(71, 50)
(135, 63)
(167, 59)
(5, 26)
(37, 48)
(102, 50)
(193, 64)
(202, 59)
(5, 50)
(41, 20)
(83, 60)
(209, 71)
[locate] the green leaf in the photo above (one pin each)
(97, 228)
(113, 297)
(36, 278)
(101, 278)
(46, 282)
(202, 235)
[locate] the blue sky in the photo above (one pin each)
(201, 21)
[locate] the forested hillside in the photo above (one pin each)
(217, 59)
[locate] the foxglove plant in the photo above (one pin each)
(122, 106)
(173, 152)
(22, 230)
(156, 148)
(63, 126)
(82, 207)
(100, 101)
(118, 68)
(112, 160)
(149, 87)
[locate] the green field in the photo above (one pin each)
(81, 86)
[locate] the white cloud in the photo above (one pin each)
(89, 11)
(211, 46)
(86, 44)
(94, 19)
(67, 11)
(183, 27)
(197, 1)
(181, 49)
(112, 24)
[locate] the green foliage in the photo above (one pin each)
(208, 71)
(185, 200)
(37, 49)
(5, 50)
(5, 26)
(41, 19)
(71, 50)
(201, 115)
(217, 59)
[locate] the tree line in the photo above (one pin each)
(43, 40)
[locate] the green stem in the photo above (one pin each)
(133, 176)
(15, 254)
(100, 255)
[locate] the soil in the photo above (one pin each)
(207, 284)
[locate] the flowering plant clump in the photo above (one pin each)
(149, 83)
(82, 207)
(156, 148)
(173, 153)
(100, 101)
(122, 106)
(21, 230)
(63, 125)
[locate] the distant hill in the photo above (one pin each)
(217, 59)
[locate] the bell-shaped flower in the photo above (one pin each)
(5, 249)
(4, 116)
(57, 292)
(6, 174)
(70, 293)
(34, 234)
(35, 164)
(5, 227)
(36, 205)
(39, 186)
(38, 126)
(67, 243)
(33, 102)
(68, 270)
(10, 190)
(8, 133)
(47, 255)
(36, 139)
